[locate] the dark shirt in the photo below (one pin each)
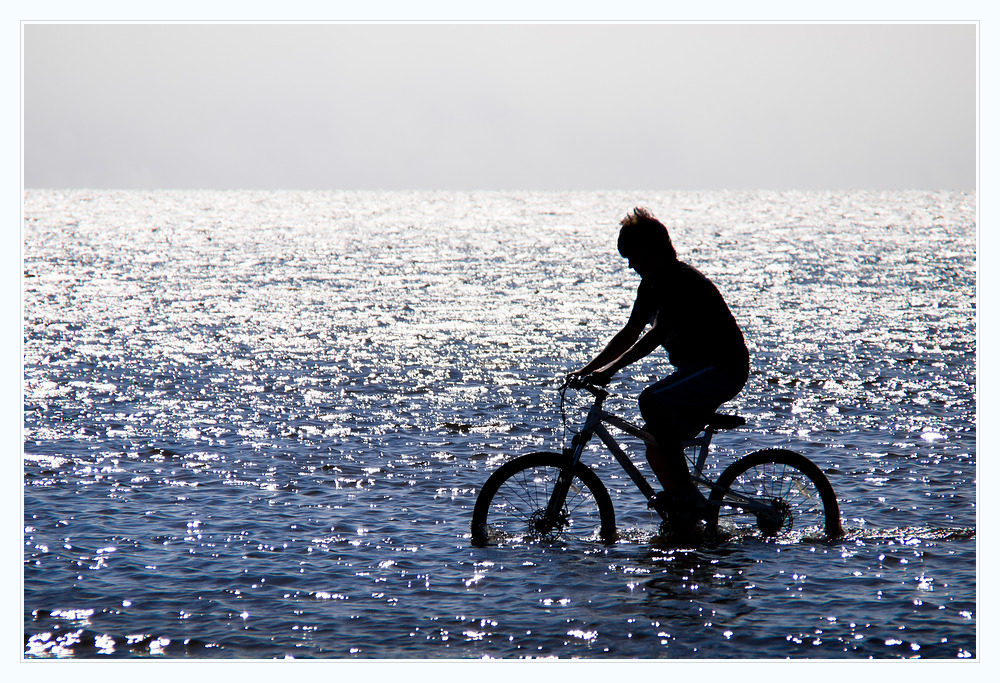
(700, 328)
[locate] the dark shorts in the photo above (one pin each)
(681, 404)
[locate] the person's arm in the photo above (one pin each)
(629, 345)
(641, 348)
(618, 345)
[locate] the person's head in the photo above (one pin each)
(643, 240)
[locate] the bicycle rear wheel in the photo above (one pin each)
(511, 505)
(775, 491)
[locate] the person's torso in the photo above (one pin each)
(700, 328)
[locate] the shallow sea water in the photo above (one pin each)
(255, 424)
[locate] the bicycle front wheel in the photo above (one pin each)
(775, 491)
(511, 505)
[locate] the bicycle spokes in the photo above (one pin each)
(776, 491)
(514, 503)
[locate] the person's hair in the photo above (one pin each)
(640, 232)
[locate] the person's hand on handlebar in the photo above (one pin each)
(600, 378)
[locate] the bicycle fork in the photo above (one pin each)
(554, 510)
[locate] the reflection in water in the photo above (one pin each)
(255, 424)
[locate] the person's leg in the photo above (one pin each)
(677, 408)
(663, 405)
(668, 462)
(680, 502)
(655, 458)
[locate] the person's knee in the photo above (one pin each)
(660, 418)
(649, 407)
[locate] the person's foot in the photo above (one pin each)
(693, 499)
(683, 508)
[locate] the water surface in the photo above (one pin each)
(256, 423)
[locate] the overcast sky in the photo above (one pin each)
(575, 106)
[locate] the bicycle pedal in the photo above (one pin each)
(663, 503)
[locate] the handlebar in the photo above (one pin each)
(586, 383)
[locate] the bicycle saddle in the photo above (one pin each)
(723, 421)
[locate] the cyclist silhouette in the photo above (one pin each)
(686, 315)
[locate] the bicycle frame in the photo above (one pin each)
(597, 417)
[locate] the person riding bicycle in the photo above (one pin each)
(689, 318)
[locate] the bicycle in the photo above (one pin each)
(547, 495)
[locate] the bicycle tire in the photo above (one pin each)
(798, 492)
(516, 495)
